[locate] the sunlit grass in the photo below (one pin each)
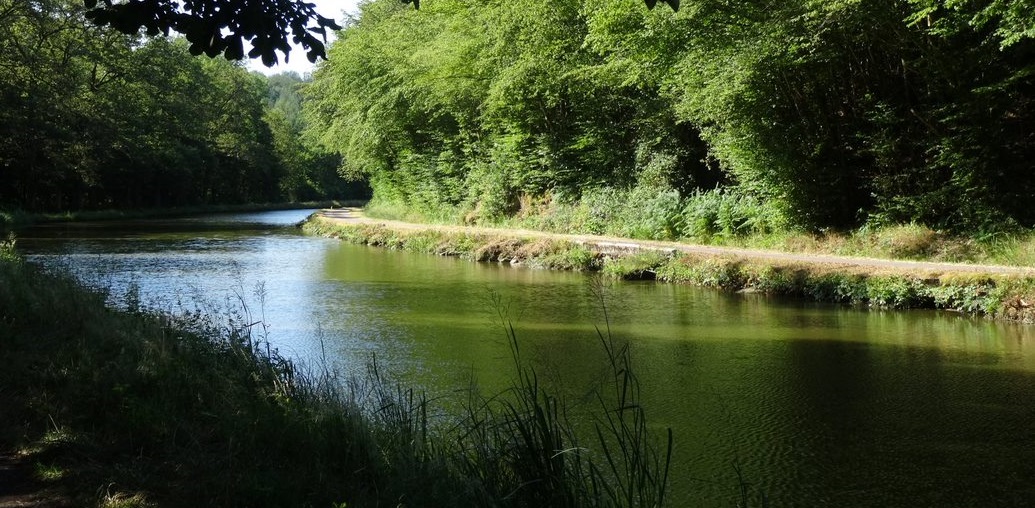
(909, 241)
(48, 472)
(393, 210)
(123, 500)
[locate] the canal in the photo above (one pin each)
(810, 405)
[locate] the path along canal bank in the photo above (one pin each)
(996, 292)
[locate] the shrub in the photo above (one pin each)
(652, 213)
(835, 287)
(725, 213)
(896, 292)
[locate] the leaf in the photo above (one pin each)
(327, 22)
(215, 46)
(234, 50)
(269, 58)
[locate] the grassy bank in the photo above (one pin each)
(994, 296)
(726, 219)
(137, 408)
(11, 219)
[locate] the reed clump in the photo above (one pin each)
(142, 408)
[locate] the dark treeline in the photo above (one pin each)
(827, 114)
(90, 119)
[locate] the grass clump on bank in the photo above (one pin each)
(137, 408)
(995, 296)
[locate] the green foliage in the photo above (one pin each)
(285, 97)
(657, 213)
(91, 119)
(896, 292)
(971, 298)
(7, 252)
(474, 106)
(568, 257)
(636, 266)
(216, 27)
(309, 172)
(652, 213)
(9, 219)
(722, 213)
(817, 115)
(844, 111)
(642, 212)
(843, 288)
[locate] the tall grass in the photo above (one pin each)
(523, 448)
(390, 209)
(654, 213)
(153, 409)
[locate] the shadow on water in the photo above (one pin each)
(201, 224)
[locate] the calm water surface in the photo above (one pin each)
(816, 405)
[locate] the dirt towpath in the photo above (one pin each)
(612, 244)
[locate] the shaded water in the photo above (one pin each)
(816, 405)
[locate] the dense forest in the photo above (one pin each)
(718, 118)
(750, 116)
(94, 119)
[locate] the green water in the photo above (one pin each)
(816, 405)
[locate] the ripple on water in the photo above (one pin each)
(817, 405)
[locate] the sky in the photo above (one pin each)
(299, 63)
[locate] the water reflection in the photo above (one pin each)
(818, 405)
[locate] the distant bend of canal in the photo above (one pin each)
(815, 405)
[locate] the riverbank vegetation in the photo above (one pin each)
(713, 218)
(1009, 297)
(91, 119)
(141, 408)
(712, 123)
